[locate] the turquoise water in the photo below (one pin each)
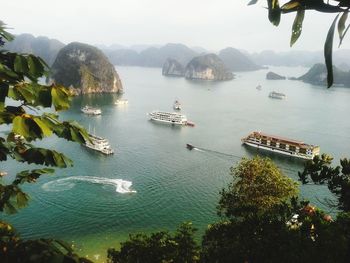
(174, 184)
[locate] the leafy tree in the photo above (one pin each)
(22, 103)
(159, 247)
(341, 7)
(258, 187)
(337, 178)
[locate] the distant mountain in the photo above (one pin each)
(41, 46)
(85, 69)
(207, 67)
(152, 56)
(317, 75)
(235, 60)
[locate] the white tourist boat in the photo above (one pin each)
(277, 95)
(91, 110)
(281, 145)
(177, 105)
(99, 144)
(121, 102)
(168, 117)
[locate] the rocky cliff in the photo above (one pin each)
(207, 67)
(172, 67)
(274, 76)
(85, 69)
(317, 75)
(235, 60)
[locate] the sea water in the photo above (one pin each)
(153, 182)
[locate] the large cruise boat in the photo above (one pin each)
(99, 144)
(168, 117)
(281, 145)
(91, 110)
(277, 95)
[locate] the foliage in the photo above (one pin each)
(14, 249)
(258, 186)
(159, 247)
(337, 178)
(22, 103)
(341, 7)
(270, 239)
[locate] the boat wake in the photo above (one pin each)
(122, 186)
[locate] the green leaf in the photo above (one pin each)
(328, 50)
(22, 199)
(252, 2)
(291, 6)
(20, 127)
(44, 128)
(4, 88)
(21, 64)
(60, 98)
(297, 26)
(36, 68)
(341, 24)
(274, 12)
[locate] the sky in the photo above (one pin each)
(210, 24)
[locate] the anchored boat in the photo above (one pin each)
(99, 144)
(277, 95)
(91, 110)
(168, 117)
(121, 102)
(281, 145)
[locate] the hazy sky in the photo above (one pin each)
(207, 23)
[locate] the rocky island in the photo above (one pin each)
(235, 60)
(85, 69)
(317, 75)
(274, 76)
(207, 67)
(172, 67)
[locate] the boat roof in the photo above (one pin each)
(280, 138)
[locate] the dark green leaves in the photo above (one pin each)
(274, 12)
(328, 50)
(252, 2)
(341, 27)
(297, 26)
(31, 176)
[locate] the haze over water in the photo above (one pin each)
(90, 203)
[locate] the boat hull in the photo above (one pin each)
(280, 151)
(168, 122)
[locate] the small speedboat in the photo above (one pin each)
(177, 105)
(189, 146)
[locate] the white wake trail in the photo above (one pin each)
(122, 186)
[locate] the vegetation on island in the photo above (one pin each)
(85, 69)
(24, 111)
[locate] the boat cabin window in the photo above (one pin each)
(282, 146)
